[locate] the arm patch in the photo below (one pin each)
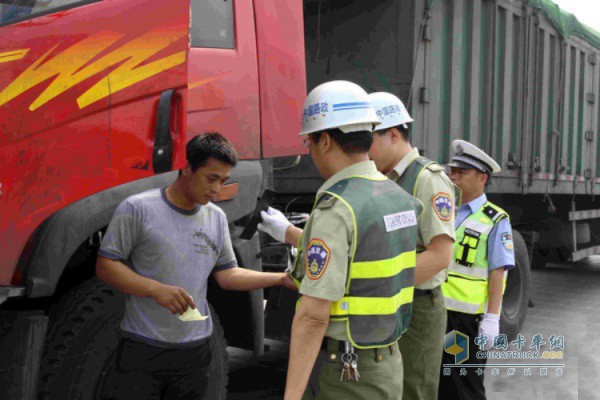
(442, 205)
(507, 242)
(317, 258)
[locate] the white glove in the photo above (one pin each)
(274, 223)
(490, 326)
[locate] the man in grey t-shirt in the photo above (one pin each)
(160, 249)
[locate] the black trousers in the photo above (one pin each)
(456, 387)
(147, 372)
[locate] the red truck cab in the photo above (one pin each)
(97, 102)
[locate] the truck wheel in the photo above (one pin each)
(83, 333)
(516, 296)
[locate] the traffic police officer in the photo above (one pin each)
(355, 262)
(483, 252)
(421, 346)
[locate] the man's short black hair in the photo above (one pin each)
(210, 144)
(350, 143)
(402, 128)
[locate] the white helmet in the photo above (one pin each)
(390, 110)
(338, 104)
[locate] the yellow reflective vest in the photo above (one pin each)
(466, 290)
(377, 305)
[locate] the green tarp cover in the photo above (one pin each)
(566, 23)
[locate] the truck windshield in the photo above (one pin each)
(12, 10)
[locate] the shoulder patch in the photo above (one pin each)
(317, 258)
(442, 205)
(507, 241)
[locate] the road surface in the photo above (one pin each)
(566, 301)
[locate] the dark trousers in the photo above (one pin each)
(147, 372)
(456, 387)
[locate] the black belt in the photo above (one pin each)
(423, 292)
(341, 344)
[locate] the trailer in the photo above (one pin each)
(518, 78)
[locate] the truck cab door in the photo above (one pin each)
(223, 89)
(247, 74)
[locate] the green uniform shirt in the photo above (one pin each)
(431, 224)
(331, 222)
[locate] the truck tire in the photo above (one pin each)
(515, 301)
(83, 333)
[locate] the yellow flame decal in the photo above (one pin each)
(12, 55)
(73, 66)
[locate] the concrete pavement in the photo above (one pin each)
(566, 301)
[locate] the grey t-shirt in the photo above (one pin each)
(173, 246)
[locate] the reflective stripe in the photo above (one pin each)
(380, 305)
(372, 305)
(478, 226)
(468, 308)
(475, 272)
(340, 308)
(382, 287)
(383, 268)
(466, 290)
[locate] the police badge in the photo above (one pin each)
(442, 205)
(317, 258)
(507, 241)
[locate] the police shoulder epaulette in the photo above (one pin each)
(435, 167)
(492, 213)
(325, 201)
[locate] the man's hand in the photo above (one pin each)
(173, 298)
(274, 223)
(287, 282)
(490, 326)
